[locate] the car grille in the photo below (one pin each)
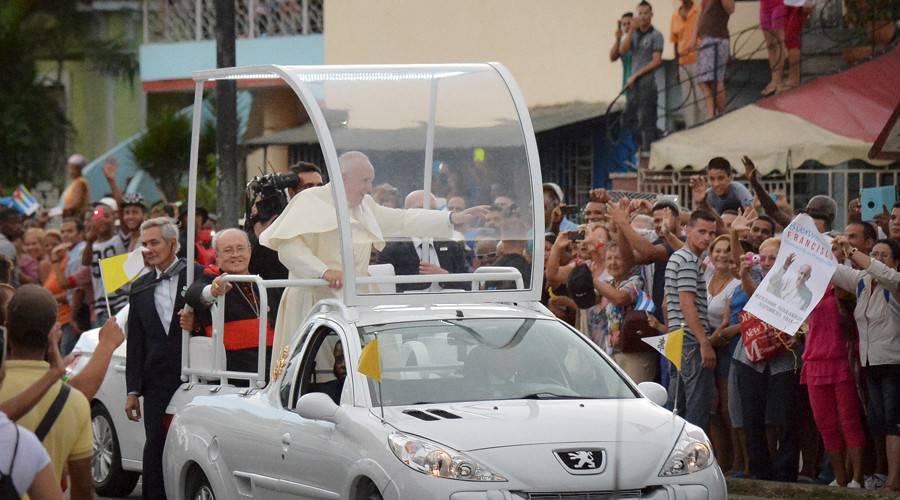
(585, 495)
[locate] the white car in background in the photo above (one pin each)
(118, 442)
(483, 401)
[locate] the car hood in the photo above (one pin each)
(480, 425)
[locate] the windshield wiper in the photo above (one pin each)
(551, 395)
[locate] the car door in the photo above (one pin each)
(312, 449)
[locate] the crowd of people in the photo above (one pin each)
(699, 33)
(631, 269)
(833, 383)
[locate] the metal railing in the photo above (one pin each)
(195, 20)
(798, 184)
(669, 182)
(193, 374)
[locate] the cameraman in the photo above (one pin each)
(310, 176)
(268, 203)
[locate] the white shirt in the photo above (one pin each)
(432, 258)
(31, 457)
(164, 297)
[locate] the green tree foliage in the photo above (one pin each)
(34, 131)
(164, 152)
(33, 126)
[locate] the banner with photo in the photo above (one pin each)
(799, 278)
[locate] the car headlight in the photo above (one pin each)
(437, 460)
(690, 454)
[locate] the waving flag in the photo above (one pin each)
(645, 303)
(669, 345)
(120, 269)
(24, 202)
(369, 364)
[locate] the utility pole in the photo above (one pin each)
(227, 194)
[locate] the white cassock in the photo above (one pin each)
(306, 238)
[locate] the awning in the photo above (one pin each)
(831, 119)
(543, 118)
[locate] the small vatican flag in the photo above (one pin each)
(369, 364)
(669, 345)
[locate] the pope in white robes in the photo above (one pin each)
(306, 238)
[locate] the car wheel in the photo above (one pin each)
(370, 492)
(110, 479)
(201, 489)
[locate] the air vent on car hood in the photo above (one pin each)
(431, 414)
(443, 414)
(420, 415)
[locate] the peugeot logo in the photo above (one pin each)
(582, 461)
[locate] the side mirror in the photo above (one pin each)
(319, 406)
(654, 392)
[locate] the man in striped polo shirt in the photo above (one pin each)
(686, 307)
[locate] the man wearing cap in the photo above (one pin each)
(77, 196)
(555, 223)
(133, 208)
(105, 242)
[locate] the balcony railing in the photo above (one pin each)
(194, 20)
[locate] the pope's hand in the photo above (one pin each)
(467, 215)
(334, 278)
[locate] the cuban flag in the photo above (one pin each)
(645, 303)
(24, 202)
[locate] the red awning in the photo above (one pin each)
(831, 119)
(854, 103)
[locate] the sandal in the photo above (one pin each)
(770, 89)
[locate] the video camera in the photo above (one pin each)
(267, 192)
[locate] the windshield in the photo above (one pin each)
(446, 361)
(453, 131)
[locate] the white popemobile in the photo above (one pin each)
(468, 394)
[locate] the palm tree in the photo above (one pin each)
(164, 151)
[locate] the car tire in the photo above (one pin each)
(370, 492)
(110, 479)
(200, 489)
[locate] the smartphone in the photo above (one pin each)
(576, 235)
(570, 210)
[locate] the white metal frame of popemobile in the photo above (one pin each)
(299, 79)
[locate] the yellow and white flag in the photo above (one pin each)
(669, 345)
(369, 363)
(118, 270)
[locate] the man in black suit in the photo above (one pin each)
(153, 362)
(445, 256)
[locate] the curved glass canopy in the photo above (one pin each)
(460, 132)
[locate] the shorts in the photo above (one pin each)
(771, 14)
(793, 26)
(724, 355)
(883, 400)
(712, 58)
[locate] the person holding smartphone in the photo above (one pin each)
(623, 28)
